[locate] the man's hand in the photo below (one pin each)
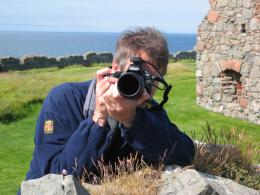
(121, 109)
(102, 85)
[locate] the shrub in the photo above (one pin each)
(92, 57)
(10, 63)
(105, 57)
(70, 60)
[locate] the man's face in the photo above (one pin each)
(147, 67)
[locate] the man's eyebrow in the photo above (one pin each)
(155, 68)
(149, 68)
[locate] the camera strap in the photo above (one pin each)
(167, 89)
(165, 95)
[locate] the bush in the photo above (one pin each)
(10, 63)
(37, 62)
(105, 58)
(92, 57)
(70, 60)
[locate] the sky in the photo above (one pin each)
(170, 16)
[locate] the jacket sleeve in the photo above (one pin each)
(156, 138)
(71, 145)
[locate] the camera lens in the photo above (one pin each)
(130, 85)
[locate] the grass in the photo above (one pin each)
(129, 176)
(20, 89)
(21, 94)
(184, 111)
(228, 154)
(16, 146)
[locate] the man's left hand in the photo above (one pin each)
(122, 109)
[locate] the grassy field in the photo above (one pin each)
(21, 94)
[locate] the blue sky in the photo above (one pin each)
(171, 16)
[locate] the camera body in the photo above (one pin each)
(132, 83)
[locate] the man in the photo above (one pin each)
(80, 123)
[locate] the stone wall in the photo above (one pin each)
(228, 59)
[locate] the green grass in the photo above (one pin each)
(16, 146)
(184, 111)
(22, 92)
(18, 90)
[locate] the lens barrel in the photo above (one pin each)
(130, 85)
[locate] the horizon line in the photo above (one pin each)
(51, 31)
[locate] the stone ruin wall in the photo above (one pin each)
(228, 59)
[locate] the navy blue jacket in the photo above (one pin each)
(77, 141)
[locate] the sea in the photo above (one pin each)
(56, 44)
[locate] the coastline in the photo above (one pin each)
(55, 44)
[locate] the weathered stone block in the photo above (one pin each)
(199, 90)
(217, 97)
(254, 24)
(238, 54)
(53, 184)
(220, 26)
(222, 3)
(257, 60)
(198, 73)
(233, 3)
(246, 14)
(239, 3)
(191, 182)
(243, 102)
(213, 16)
(249, 58)
(247, 48)
(212, 2)
(231, 65)
(227, 98)
(200, 46)
(247, 3)
(254, 73)
(204, 56)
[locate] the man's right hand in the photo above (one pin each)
(103, 84)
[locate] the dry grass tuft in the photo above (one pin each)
(228, 154)
(128, 176)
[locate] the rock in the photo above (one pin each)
(189, 181)
(53, 184)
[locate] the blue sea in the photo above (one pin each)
(54, 44)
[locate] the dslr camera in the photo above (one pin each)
(132, 83)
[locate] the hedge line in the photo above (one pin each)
(29, 62)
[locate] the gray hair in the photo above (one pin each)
(143, 39)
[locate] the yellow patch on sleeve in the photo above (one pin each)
(48, 127)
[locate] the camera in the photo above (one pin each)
(132, 83)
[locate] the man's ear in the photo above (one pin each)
(115, 67)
